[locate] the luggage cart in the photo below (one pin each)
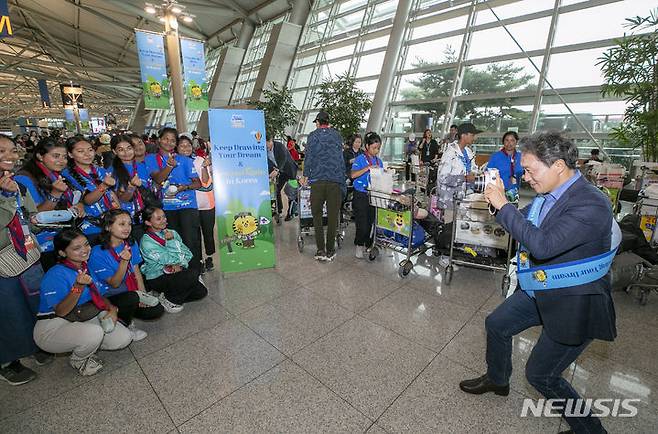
(393, 227)
(305, 227)
(488, 234)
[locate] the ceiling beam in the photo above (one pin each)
(33, 61)
(101, 15)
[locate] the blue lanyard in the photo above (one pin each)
(467, 161)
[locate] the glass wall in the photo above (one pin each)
(518, 60)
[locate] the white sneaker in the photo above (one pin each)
(87, 367)
(169, 306)
(359, 252)
(137, 334)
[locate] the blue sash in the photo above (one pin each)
(563, 275)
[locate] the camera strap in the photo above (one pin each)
(563, 275)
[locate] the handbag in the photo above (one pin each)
(12, 264)
(83, 312)
(150, 198)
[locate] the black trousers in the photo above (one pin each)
(207, 217)
(179, 288)
(128, 304)
(188, 225)
(364, 217)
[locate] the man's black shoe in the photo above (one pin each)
(480, 385)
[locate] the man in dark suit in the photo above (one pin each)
(572, 222)
(279, 159)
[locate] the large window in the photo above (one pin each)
(502, 85)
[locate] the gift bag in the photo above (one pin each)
(380, 180)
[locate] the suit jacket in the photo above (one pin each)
(284, 161)
(576, 227)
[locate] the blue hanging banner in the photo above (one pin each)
(153, 67)
(242, 190)
(43, 92)
(5, 21)
(194, 70)
(84, 121)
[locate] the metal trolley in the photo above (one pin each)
(305, 227)
(487, 233)
(394, 218)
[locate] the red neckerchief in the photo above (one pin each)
(511, 165)
(160, 159)
(137, 195)
(96, 296)
(15, 227)
(323, 126)
(157, 238)
(131, 279)
(94, 178)
(371, 163)
(53, 175)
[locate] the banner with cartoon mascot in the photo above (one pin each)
(153, 68)
(242, 191)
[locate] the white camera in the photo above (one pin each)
(490, 176)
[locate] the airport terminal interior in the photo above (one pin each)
(375, 337)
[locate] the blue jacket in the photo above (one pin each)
(324, 157)
(576, 227)
(501, 161)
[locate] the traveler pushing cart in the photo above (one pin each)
(394, 227)
(305, 227)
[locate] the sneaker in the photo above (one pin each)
(320, 255)
(288, 218)
(331, 255)
(16, 374)
(88, 366)
(209, 265)
(202, 282)
(169, 306)
(43, 358)
(359, 252)
(137, 334)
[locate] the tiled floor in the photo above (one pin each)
(342, 347)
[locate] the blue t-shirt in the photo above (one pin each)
(361, 162)
(105, 265)
(44, 237)
(57, 284)
(144, 176)
(503, 162)
(182, 174)
(97, 209)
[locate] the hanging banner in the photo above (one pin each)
(153, 67)
(5, 21)
(242, 191)
(69, 120)
(194, 70)
(43, 92)
(84, 121)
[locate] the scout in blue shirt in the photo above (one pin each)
(132, 177)
(364, 214)
(116, 262)
(508, 162)
(174, 173)
(93, 182)
(177, 180)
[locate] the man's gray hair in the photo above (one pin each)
(549, 148)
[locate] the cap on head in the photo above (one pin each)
(412, 137)
(322, 117)
(467, 128)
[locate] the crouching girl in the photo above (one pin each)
(74, 315)
(166, 261)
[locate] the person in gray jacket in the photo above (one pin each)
(324, 170)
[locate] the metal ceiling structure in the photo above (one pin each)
(91, 42)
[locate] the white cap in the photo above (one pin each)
(412, 137)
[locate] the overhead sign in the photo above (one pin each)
(43, 92)
(153, 68)
(194, 69)
(5, 21)
(71, 95)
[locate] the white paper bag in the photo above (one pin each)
(381, 180)
(415, 164)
